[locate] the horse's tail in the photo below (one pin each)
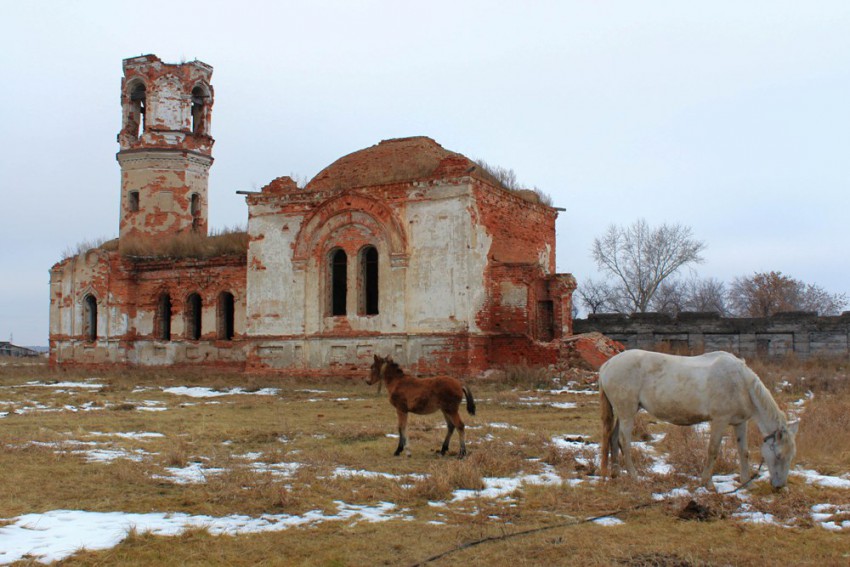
(470, 402)
(608, 424)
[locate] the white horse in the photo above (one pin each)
(716, 387)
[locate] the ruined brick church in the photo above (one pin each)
(403, 248)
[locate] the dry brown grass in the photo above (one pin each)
(823, 438)
(227, 242)
(687, 451)
(525, 377)
(325, 436)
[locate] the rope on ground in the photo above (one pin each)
(568, 524)
(503, 537)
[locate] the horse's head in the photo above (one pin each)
(378, 369)
(778, 451)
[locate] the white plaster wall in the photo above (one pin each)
(445, 277)
(275, 295)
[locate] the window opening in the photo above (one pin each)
(198, 100)
(90, 318)
(369, 281)
(163, 318)
(136, 119)
(195, 210)
(193, 317)
(225, 316)
(339, 282)
(133, 204)
(545, 321)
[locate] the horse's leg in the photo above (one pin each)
(458, 424)
(626, 426)
(615, 449)
(743, 454)
(451, 428)
(402, 433)
(716, 436)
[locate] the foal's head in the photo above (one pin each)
(778, 449)
(380, 367)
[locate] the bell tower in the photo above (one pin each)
(165, 148)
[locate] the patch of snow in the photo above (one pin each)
(91, 385)
(193, 473)
(201, 392)
(498, 487)
(812, 477)
(501, 425)
(342, 472)
(608, 521)
(277, 469)
(58, 534)
(675, 493)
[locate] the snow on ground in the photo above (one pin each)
(56, 535)
(193, 473)
(813, 477)
(72, 385)
(200, 392)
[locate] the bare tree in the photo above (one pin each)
(670, 297)
(640, 257)
(766, 293)
(596, 296)
(706, 295)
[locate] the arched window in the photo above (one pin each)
(136, 117)
(339, 282)
(193, 317)
(225, 316)
(369, 281)
(162, 319)
(199, 99)
(90, 317)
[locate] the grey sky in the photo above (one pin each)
(730, 117)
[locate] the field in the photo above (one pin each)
(188, 467)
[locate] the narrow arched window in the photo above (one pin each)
(162, 320)
(339, 282)
(136, 117)
(225, 316)
(193, 317)
(198, 100)
(369, 281)
(90, 318)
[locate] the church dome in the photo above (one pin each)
(398, 160)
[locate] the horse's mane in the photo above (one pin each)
(767, 407)
(393, 369)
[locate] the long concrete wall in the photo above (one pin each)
(802, 333)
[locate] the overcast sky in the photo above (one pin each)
(732, 118)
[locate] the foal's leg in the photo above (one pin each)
(402, 433)
(717, 429)
(743, 455)
(626, 426)
(451, 429)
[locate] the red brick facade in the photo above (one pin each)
(403, 248)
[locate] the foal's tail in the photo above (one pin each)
(608, 424)
(470, 402)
